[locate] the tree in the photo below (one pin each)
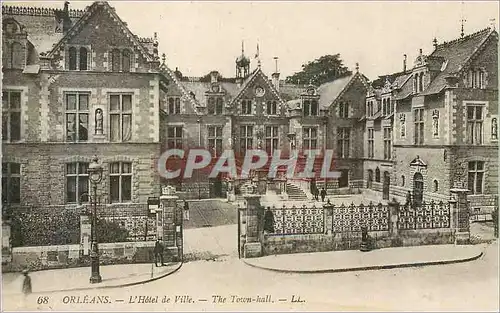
(324, 69)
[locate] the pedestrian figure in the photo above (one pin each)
(269, 221)
(186, 211)
(158, 251)
(316, 193)
(26, 283)
(323, 194)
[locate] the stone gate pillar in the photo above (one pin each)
(170, 230)
(459, 215)
(253, 245)
(393, 218)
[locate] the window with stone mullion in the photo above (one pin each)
(77, 117)
(77, 182)
(11, 183)
(11, 116)
(120, 114)
(476, 177)
(474, 124)
(120, 174)
(215, 140)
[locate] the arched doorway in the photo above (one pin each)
(387, 183)
(369, 181)
(418, 188)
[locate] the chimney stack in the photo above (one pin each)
(276, 75)
(66, 19)
(404, 62)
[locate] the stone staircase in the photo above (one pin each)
(295, 193)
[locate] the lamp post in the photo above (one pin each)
(95, 176)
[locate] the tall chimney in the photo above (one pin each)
(66, 19)
(276, 75)
(404, 63)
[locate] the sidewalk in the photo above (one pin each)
(73, 279)
(355, 260)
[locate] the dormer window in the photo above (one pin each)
(78, 59)
(120, 60)
(246, 107)
(418, 82)
(17, 56)
(310, 107)
(475, 78)
(174, 105)
(343, 109)
(271, 108)
(215, 105)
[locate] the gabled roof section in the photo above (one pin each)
(88, 14)
(165, 71)
(457, 55)
(251, 78)
(331, 91)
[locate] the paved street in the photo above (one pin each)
(461, 287)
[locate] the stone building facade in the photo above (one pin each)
(444, 123)
(78, 84)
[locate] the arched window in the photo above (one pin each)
(370, 179)
(72, 58)
(436, 185)
(83, 59)
(115, 60)
(126, 60)
(377, 175)
(17, 56)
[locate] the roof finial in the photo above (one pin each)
(462, 21)
(155, 35)
(492, 22)
(257, 55)
(276, 63)
(357, 67)
(242, 48)
(435, 42)
(163, 57)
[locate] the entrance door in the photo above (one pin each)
(418, 188)
(387, 183)
(370, 179)
(216, 187)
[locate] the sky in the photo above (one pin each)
(201, 36)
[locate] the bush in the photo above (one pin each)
(108, 231)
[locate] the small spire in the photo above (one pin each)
(462, 28)
(163, 57)
(357, 67)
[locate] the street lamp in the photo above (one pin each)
(95, 176)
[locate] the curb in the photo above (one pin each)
(367, 268)
(119, 285)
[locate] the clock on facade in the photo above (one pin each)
(215, 88)
(259, 91)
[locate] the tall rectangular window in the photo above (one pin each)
(174, 105)
(215, 140)
(310, 107)
(11, 116)
(418, 135)
(246, 137)
(474, 124)
(272, 139)
(371, 140)
(120, 114)
(11, 183)
(246, 107)
(77, 182)
(369, 109)
(77, 117)
(343, 142)
(174, 137)
(215, 105)
(387, 143)
(120, 182)
(309, 138)
(343, 109)
(476, 177)
(271, 108)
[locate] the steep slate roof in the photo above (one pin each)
(456, 55)
(331, 91)
(39, 23)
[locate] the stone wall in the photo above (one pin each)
(68, 256)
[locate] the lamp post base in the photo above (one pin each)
(95, 278)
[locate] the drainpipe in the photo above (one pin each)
(199, 146)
